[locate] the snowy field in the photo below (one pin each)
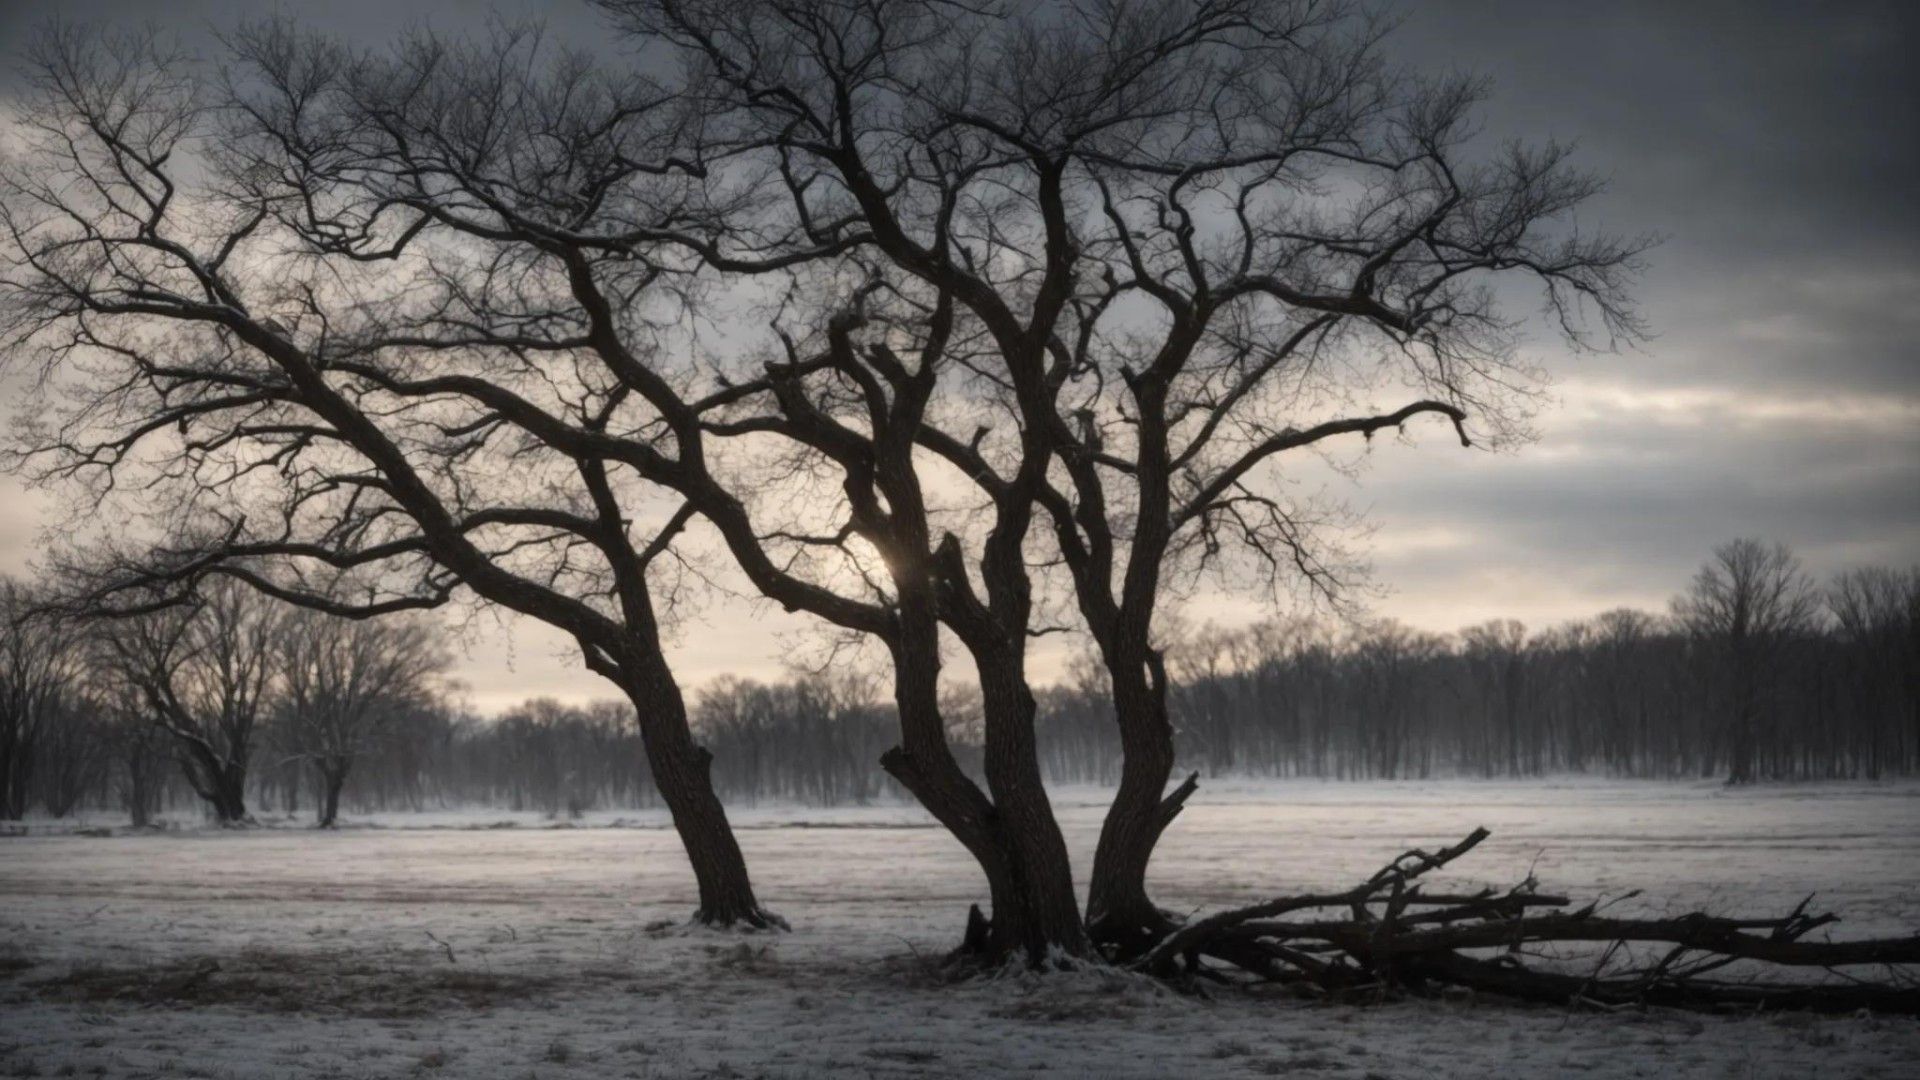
(485, 944)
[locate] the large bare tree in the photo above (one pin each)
(273, 293)
(1179, 244)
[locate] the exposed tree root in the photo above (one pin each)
(1394, 938)
(751, 921)
(979, 955)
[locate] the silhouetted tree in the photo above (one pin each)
(1876, 612)
(345, 682)
(1141, 221)
(1748, 605)
(206, 671)
(38, 678)
(248, 269)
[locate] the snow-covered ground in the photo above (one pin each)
(422, 945)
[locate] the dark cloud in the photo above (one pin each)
(1769, 127)
(366, 21)
(1772, 144)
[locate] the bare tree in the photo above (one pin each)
(531, 355)
(1877, 612)
(1747, 604)
(1497, 653)
(1141, 221)
(206, 670)
(72, 748)
(137, 752)
(344, 682)
(230, 257)
(1620, 683)
(39, 673)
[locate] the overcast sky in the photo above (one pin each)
(1773, 144)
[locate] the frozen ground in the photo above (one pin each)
(459, 951)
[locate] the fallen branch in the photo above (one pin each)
(1395, 938)
(1398, 872)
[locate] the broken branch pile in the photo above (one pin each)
(1393, 937)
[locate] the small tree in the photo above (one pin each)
(1876, 611)
(137, 755)
(205, 670)
(344, 682)
(1746, 605)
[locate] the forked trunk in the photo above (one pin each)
(1035, 918)
(221, 782)
(1029, 885)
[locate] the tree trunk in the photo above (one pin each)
(230, 797)
(14, 764)
(1119, 911)
(331, 779)
(221, 784)
(140, 795)
(957, 803)
(682, 771)
(1046, 923)
(1013, 837)
(1740, 747)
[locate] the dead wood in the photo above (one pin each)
(1394, 938)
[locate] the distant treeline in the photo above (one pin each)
(1624, 694)
(1753, 674)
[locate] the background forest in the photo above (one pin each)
(1827, 677)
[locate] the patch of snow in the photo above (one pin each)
(433, 946)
